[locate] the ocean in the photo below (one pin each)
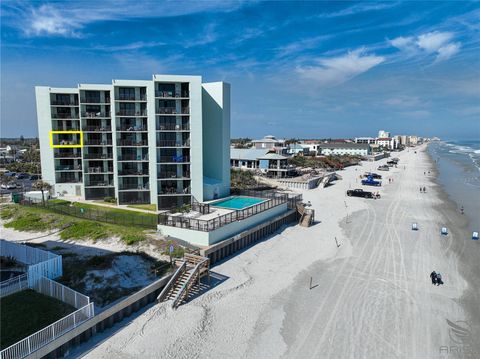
(458, 165)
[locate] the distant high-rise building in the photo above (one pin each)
(383, 134)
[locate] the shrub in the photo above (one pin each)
(110, 200)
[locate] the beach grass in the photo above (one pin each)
(41, 219)
(26, 312)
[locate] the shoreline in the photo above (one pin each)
(466, 250)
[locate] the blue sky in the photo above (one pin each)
(297, 69)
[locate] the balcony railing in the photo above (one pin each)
(132, 158)
(98, 156)
(131, 98)
(99, 184)
(70, 142)
(64, 103)
(171, 94)
(132, 128)
(97, 128)
(173, 190)
(97, 142)
(132, 173)
(170, 175)
(68, 180)
(94, 100)
(65, 115)
(96, 114)
(127, 187)
(173, 127)
(99, 170)
(173, 159)
(131, 143)
(68, 168)
(131, 113)
(169, 143)
(172, 111)
(67, 155)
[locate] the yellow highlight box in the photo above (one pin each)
(66, 133)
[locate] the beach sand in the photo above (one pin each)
(370, 298)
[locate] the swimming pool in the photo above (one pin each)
(238, 202)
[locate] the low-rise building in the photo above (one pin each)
(354, 149)
(295, 149)
(265, 161)
(268, 142)
(366, 140)
(312, 148)
(387, 142)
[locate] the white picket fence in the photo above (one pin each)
(59, 291)
(13, 285)
(40, 263)
(37, 340)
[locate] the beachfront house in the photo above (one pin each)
(353, 149)
(163, 141)
(265, 161)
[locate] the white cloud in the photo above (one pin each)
(403, 101)
(437, 43)
(68, 18)
(336, 70)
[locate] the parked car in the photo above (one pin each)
(10, 174)
(359, 193)
(35, 177)
(373, 175)
(11, 185)
(383, 168)
(23, 176)
(371, 182)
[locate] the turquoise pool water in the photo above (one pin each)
(238, 202)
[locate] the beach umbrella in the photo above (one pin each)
(475, 236)
(444, 231)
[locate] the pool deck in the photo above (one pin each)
(216, 211)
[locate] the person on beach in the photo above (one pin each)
(424, 190)
(433, 277)
(461, 210)
(420, 189)
(439, 279)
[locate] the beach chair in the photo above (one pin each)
(444, 231)
(414, 226)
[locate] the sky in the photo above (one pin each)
(297, 69)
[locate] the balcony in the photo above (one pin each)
(132, 113)
(95, 100)
(99, 184)
(97, 128)
(97, 142)
(169, 190)
(171, 94)
(132, 172)
(65, 115)
(67, 155)
(96, 114)
(97, 170)
(68, 180)
(98, 156)
(131, 98)
(133, 187)
(64, 103)
(132, 158)
(132, 128)
(173, 159)
(173, 175)
(172, 111)
(68, 168)
(129, 143)
(173, 127)
(169, 143)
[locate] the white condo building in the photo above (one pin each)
(164, 141)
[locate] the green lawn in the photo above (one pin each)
(26, 312)
(147, 207)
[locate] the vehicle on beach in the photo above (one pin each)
(391, 163)
(373, 175)
(359, 193)
(371, 182)
(383, 168)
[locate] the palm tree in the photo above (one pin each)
(42, 186)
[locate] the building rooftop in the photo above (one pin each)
(272, 156)
(249, 154)
(344, 145)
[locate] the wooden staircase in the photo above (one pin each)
(307, 215)
(186, 281)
